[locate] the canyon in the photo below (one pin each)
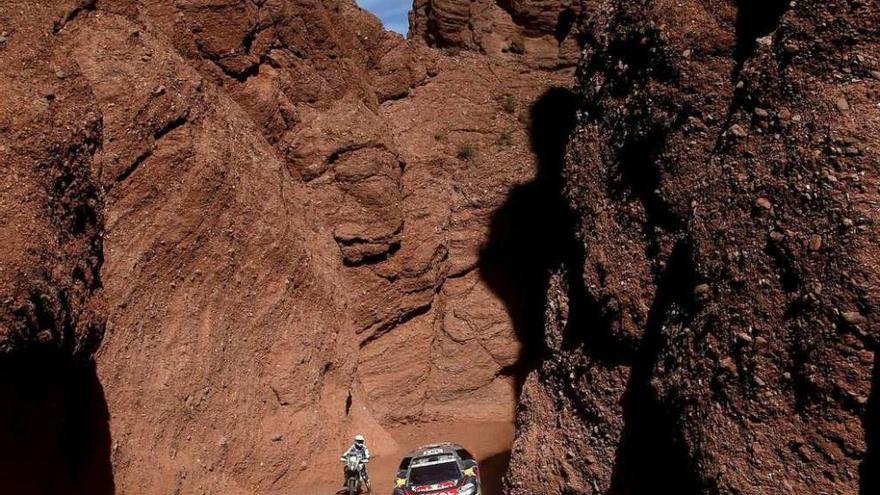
(613, 247)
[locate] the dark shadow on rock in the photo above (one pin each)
(532, 232)
(54, 427)
(565, 22)
(650, 457)
(588, 329)
(492, 470)
(640, 176)
(869, 483)
(755, 19)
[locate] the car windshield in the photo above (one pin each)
(434, 473)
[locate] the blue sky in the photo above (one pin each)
(392, 12)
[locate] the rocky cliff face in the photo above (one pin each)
(715, 328)
(284, 207)
(51, 307)
(52, 207)
(539, 33)
(295, 226)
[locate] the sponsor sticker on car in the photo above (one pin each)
(437, 486)
(430, 461)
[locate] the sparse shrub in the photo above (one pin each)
(466, 151)
(439, 136)
(508, 103)
(452, 51)
(517, 47)
(524, 118)
(505, 139)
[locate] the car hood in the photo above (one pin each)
(443, 488)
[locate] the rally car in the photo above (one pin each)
(439, 469)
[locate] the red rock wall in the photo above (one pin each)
(716, 330)
(52, 314)
(543, 34)
(305, 227)
(289, 209)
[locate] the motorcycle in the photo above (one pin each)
(354, 475)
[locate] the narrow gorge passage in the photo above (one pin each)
(612, 247)
(530, 233)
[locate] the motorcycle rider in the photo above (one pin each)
(359, 448)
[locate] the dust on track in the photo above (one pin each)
(489, 442)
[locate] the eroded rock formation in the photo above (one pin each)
(539, 33)
(53, 420)
(304, 226)
(717, 330)
(286, 205)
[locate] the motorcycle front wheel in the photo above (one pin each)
(352, 486)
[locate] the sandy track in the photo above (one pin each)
(488, 441)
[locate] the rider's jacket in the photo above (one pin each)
(359, 450)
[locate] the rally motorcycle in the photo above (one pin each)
(354, 475)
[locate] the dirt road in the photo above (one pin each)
(489, 442)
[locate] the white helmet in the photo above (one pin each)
(358, 439)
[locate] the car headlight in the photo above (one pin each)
(469, 489)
